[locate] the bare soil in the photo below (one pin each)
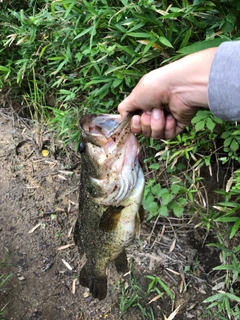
(38, 210)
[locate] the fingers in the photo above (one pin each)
(170, 126)
(142, 124)
(156, 124)
(136, 125)
(150, 124)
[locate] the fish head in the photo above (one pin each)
(110, 151)
(104, 138)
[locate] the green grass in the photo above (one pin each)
(133, 296)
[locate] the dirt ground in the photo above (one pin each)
(38, 210)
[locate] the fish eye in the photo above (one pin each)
(82, 147)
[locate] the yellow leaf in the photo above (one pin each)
(154, 45)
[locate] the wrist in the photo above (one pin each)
(194, 71)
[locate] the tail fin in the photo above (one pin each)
(96, 285)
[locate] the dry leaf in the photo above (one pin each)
(66, 246)
(173, 245)
(86, 294)
(67, 264)
(34, 228)
(229, 184)
(61, 177)
(173, 271)
(155, 298)
(74, 286)
(154, 45)
(173, 314)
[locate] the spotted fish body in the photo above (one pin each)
(111, 189)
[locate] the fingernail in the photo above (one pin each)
(157, 113)
(149, 112)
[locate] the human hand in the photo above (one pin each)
(170, 96)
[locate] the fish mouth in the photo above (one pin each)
(121, 126)
(104, 125)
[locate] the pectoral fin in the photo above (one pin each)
(121, 262)
(110, 219)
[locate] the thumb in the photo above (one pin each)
(125, 107)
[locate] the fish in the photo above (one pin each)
(110, 196)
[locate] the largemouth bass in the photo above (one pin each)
(111, 189)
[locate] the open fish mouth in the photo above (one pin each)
(104, 125)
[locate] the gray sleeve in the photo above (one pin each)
(224, 82)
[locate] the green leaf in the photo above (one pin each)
(234, 145)
(136, 27)
(166, 198)
(83, 33)
(116, 82)
(233, 297)
(126, 49)
(215, 297)
(235, 133)
(175, 188)
(155, 166)
(227, 141)
(227, 219)
(69, 8)
(182, 201)
(165, 288)
(140, 35)
(229, 24)
(4, 69)
(234, 229)
(200, 125)
(224, 267)
(229, 204)
(163, 211)
(148, 198)
(197, 46)
(210, 124)
(177, 209)
(156, 190)
(201, 115)
(186, 38)
(151, 206)
(225, 134)
(164, 41)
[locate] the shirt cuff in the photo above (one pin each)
(224, 82)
